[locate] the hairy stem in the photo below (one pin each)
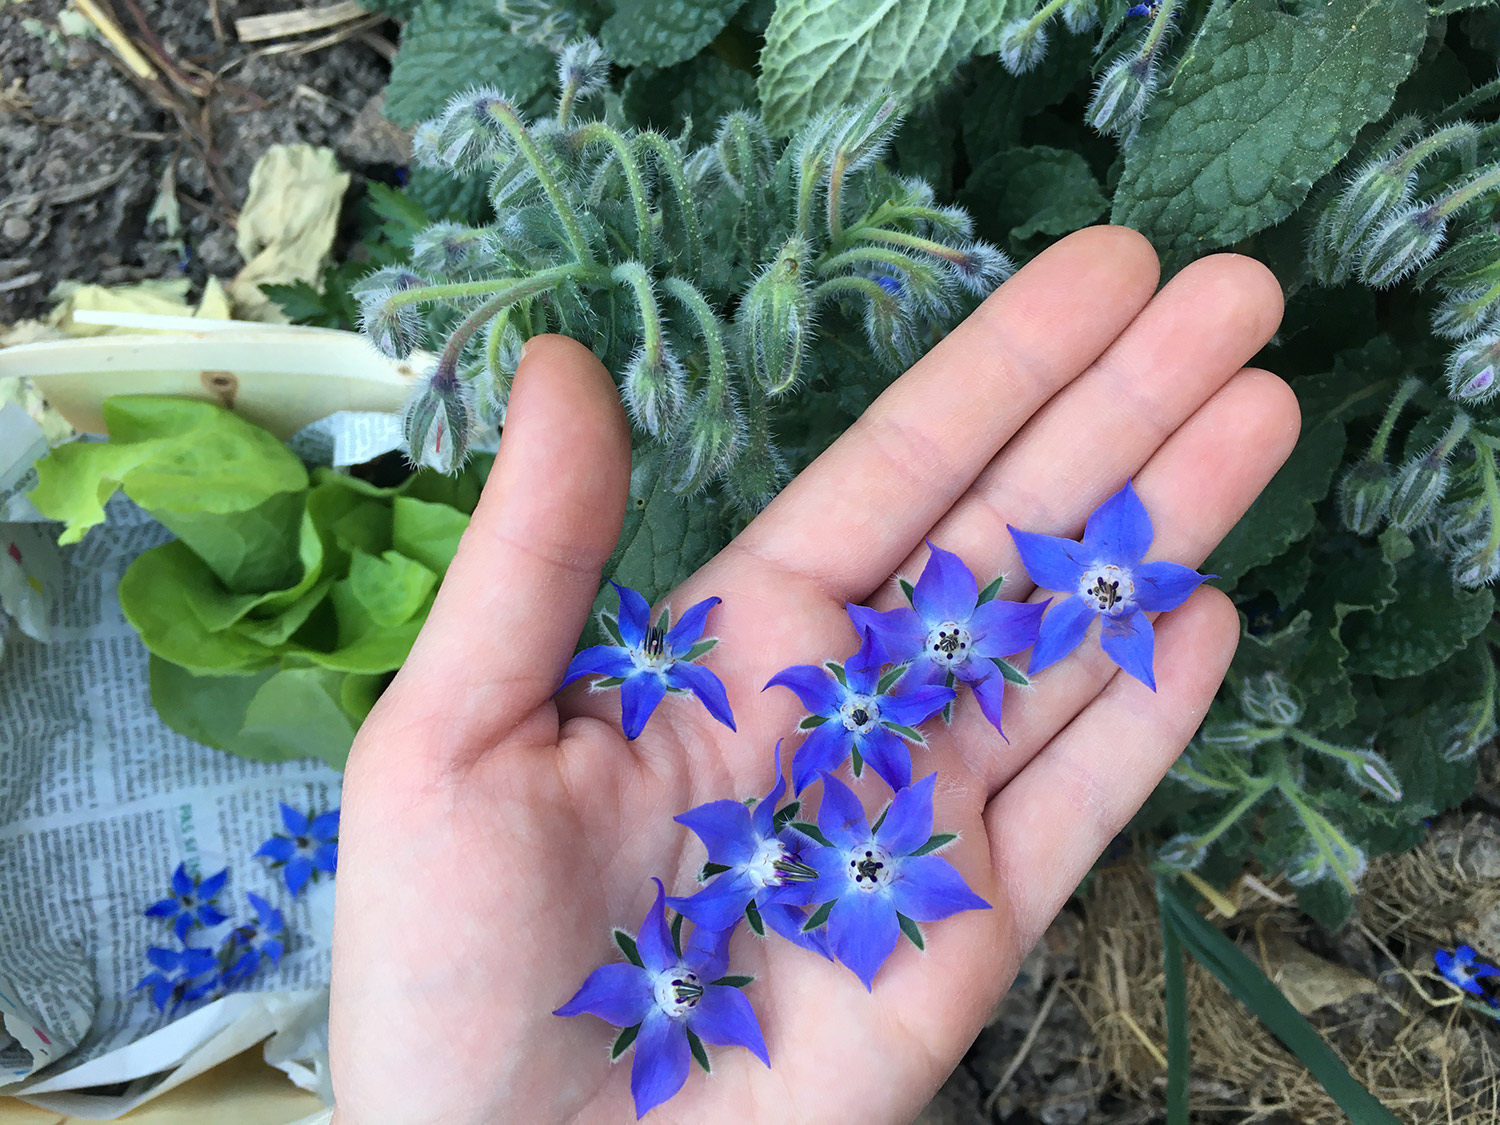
(596, 132)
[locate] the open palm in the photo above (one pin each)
(492, 835)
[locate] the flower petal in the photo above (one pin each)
(182, 924)
(1062, 631)
(653, 940)
(1130, 642)
(990, 692)
(719, 905)
(639, 695)
(888, 756)
(724, 1017)
(635, 616)
(166, 960)
(182, 882)
(326, 858)
(1001, 628)
(1160, 586)
(831, 864)
(1119, 530)
(297, 872)
(947, 590)
(661, 1062)
(841, 818)
(278, 848)
(915, 705)
(706, 952)
(928, 887)
(166, 908)
(684, 635)
(706, 686)
(893, 637)
(619, 993)
(826, 747)
(763, 817)
(325, 826)
(820, 693)
(1052, 562)
(213, 884)
(908, 823)
(862, 929)
(724, 827)
(210, 916)
(294, 819)
(787, 920)
(598, 660)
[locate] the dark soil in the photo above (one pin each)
(86, 147)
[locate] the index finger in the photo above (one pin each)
(847, 522)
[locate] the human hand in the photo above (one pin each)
(491, 835)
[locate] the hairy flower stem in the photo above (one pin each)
(1255, 789)
(510, 120)
(917, 242)
(1312, 743)
(669, 162)
(1403, 395)
(636, 276)
(596, 132)
(709, 330)
(520, 290)
(1340, 854)
(1461, 196)
(1160, 25)
(1044, 13)
(1484, 456)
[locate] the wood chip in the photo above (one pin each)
(300, 21)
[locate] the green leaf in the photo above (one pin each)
(611, 626)
(837, 670)
(817, 917)
(734, 982)
(752, 916)
(890, 679)
(906, 587)
(1263, 103)
(699, 1053)
(911, 734)
(663, 32)
(428, 533)
(811, 832)
(623, 1041)
(992, 591)
(456, 44)
(1429, 621)
(1035, 190)
(391, 588)
(912, 931)
(1250, 987)
(1010, 673)
(874, 828)
(935, 841)
(856, 763)
(831, 52)
(1179, 1057)
(810, 721)
(166, 594)
(702, 648)
(628, 947)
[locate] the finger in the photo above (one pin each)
(517, 595)
(1078, 449)
(1196, 488)
(887, 480)
(1049, 825)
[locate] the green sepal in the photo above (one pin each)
(664, 620)
(702, 648)
(818, 917)
(611, 625)
(812, 721)
(912, 931)
(624, 1040)
(627, 947)
(891, 679)
(879, 820)
(1011, 673)
(752, 916)
(677, 934)
(784, 815)
(812, 832)
(906, 588)
(935, 841)
(856, 762)
(838, 671)
(948, 713)
(733, 982)
(911, 734)
(698, 1052)
(992, 591)
(607, 682)
(709, 870)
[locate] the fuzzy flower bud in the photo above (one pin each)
(1402, 244)
(653, 388)
(468, 132)
(448, 249)
(1080, 15)
(1373, 772)
(1365, 494)
(1122, 95)
(1466, 312)
(1182, 852)
(742, 150)
(777, 316)
(1473, 730)
(1267, 698)
(1377, 189)
(395, 330)
(864, 135)
(1471, 369)
(1476, 561)
(439, 422)
(542, 23)
(1421, 482)
(1022, 43)
(979, 266)
(707, 441)
(1307, 868)
(582, 69)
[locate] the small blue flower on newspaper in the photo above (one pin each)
(1462, 968)
(191, 902)
(878, 883)
(1107, 580)
(647, 661)
(181, 976)
(669, 1000)
(308, 848)
(251, 944)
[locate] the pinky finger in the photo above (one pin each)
(1048, 826)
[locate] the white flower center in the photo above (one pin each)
(948, 644)
(678, 991)
(654, 654)
(860, 712)
(1109, 589)
(869, 867)
(761, 868)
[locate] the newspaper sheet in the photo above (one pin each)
(99, 801)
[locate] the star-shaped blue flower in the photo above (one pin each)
(949, 635)
(309, 847)
(650, 660)
(1107, 579)
(1462, 968)
(670, 997)
(182, 976)
(249, 945)
(191, 902)
(759, 863)
(853, 709)
(884, 880)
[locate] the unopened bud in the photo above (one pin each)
(742, 150)
(979, 266)
(889, 329)
(449, 250)
(468, 131)
(438, 423)
(1466, 312)
(1307, 868)
(1080, 15)
(1471, 369)
(394, 329)
(865, 134)
(1021, 44)
(1122, 95)
(1473, 730)
(582, 69)
(757, 472)
(777, 319)
(1476, 561)
(1268, 698)
(1373, 772)
(1365, 494)
(1377, 189)
(707, 441)
(1236, 734)
(1402, 243)
(1423, 480)
(653, 389)
(1182, 852)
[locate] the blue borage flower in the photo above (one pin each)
(755, 866)
(181, 976)
(877, 883)
(191, 902)
(647, 661)
(309, 847)
(1106, 578)
(251, 944)
(669, 1000)
(856, 712)
(1462, 968)
(952, 632)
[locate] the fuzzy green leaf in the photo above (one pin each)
(785, 815)
(817, 917)
(1263, 103)
(628, 947)
(702, 648)
(664, 32)
(936, 841)
(734, 982)
(1429, 621)
(1011, 673)
(992, 591)
(911, 734)
(810, 721)
(812, 832)
(699, 1053)
(1035, 190)
(912, 931)
(677, 933)
(906, 588)
(709, 870)
(890, 679)
(752, 916)
(624, 1040)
